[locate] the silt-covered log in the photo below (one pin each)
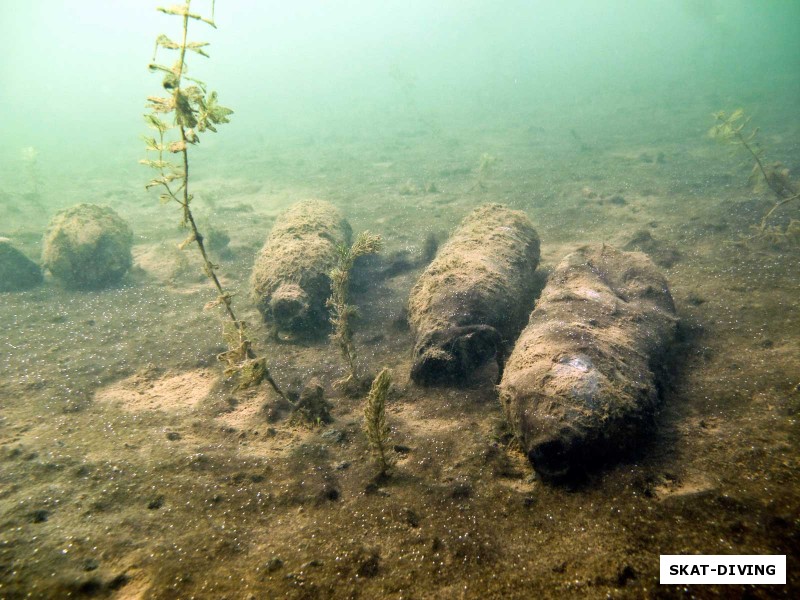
(474, 296)
(290, 281)
(581, 384)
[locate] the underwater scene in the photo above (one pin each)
(409, 300)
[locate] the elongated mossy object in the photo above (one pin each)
(474, 296)
(291, 278)
(581, 384)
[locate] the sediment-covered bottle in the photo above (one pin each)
(475, 295)
(290, 281)
(582, 383)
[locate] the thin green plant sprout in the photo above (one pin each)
(485, 167)
(375, 425)
(194, 110)
(342, 312)
(732, 128)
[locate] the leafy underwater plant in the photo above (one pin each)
(342, 311)
(195, 110)
(375, 425)
(733, 128)
(484, 169)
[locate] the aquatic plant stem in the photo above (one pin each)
(730, 128)
(240, 355)
(375, 425)
(771, 185)
(198, 237)
(761, 168)
(777, 206)
(778, 191)
(341, 310)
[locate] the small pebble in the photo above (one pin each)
(90, 564)
(273, 564)
(461, 491)
(334, 435)
(39, 516)
(330, 493)
(411, 518)
(618, 200)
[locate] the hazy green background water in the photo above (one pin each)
(73, 78)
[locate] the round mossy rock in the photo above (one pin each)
(87, 247)
(17, 271)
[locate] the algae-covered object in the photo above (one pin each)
(581, 384)
(87, 247)
(291, 276)
(474, 296)
(17, 271)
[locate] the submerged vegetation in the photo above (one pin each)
(195, 110)
(483, 170)
(734, 128)
(375, 425)
(342, 312)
